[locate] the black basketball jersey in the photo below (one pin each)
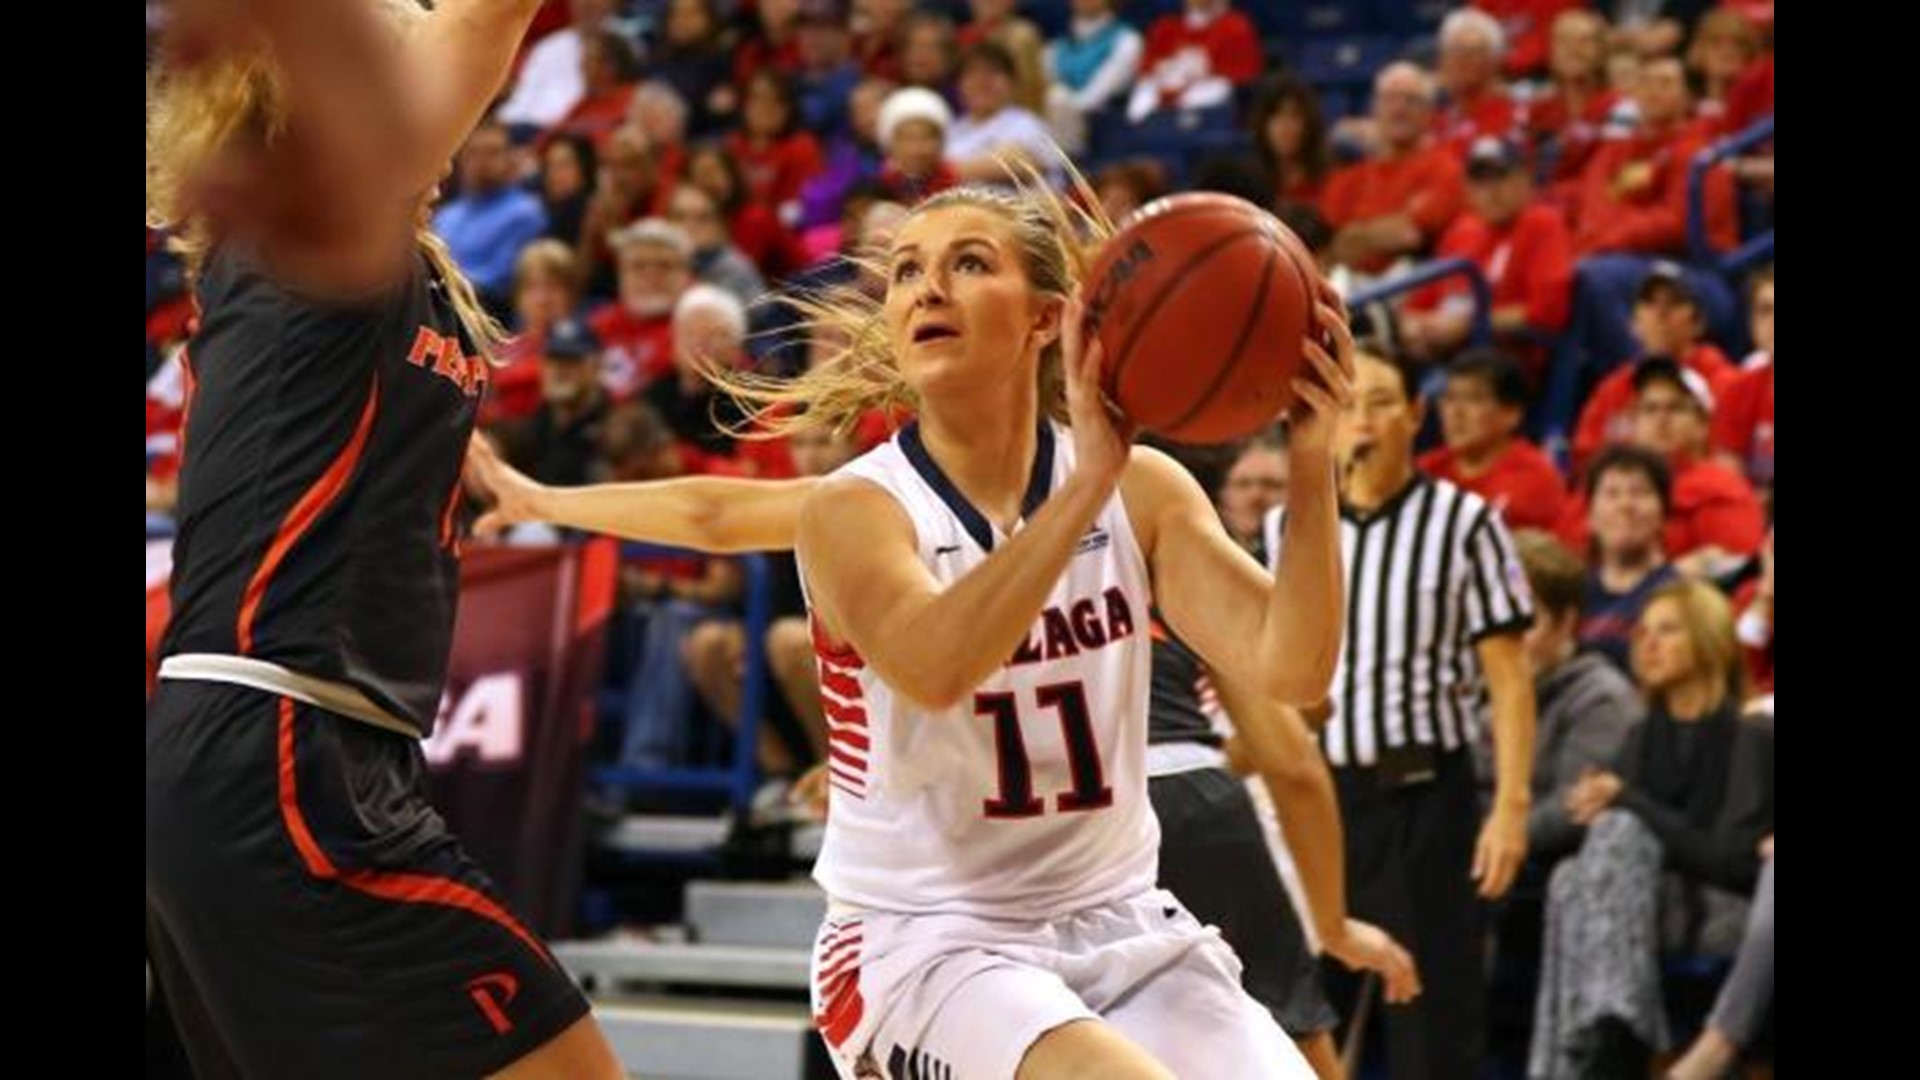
(1174, 714)
(320, 482)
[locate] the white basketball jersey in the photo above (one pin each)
(1029, 799)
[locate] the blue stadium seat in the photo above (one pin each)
(1178, 140)
(1142, 13)
(1345, 60)
(1313, 18)
(1411, 18)
(1051, 16)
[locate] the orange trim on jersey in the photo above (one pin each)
(449, 519)
(304, 513)
(189, 386)
(385, 885)
(317, 862)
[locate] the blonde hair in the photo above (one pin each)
(1057, 237)
(547, 258)
(198, 114)
(1708, 619)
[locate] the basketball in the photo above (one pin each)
(1201, 302)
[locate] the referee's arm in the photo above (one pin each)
(1503, 839)
(1499, 609)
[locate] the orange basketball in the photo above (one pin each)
(1201, 302)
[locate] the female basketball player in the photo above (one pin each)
(1213, 856)
(308, 912)
(980, 587)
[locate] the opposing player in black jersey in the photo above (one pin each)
(308, 912)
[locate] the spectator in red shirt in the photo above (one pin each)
(1565, 120)
(1195, 60)
(1480, 413)
(1725, 46)
(606, 71)
(1717, 523)
(1754, 602)
(660, 111)
(879, 37)
(1667, 321)
(1477, 101)
(546, 291)
(1521, 245)
(774, 43)
(1633, 195)
(1751, 96)
(1743, 424)
(1526, 24)
(656, 266)
(776, 157)
(1290, 141)
(756, 231)
(1409, 190)
(629, 187)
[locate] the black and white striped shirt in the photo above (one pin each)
(1429, 574)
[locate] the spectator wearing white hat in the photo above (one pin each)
(914, 122)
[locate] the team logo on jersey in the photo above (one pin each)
(492, 993)
(1083, 626)
(443, 356)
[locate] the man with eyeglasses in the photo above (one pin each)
(656, 266)
(1480, 412)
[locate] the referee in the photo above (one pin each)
(1437, 604)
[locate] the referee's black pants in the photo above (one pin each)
(1409, 854)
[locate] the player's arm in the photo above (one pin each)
(375, 114)
(1284, 644)
(1276, 743)
(717, 515)
(930, 642)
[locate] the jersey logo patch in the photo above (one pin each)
(443, 357)
(493, 1008)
